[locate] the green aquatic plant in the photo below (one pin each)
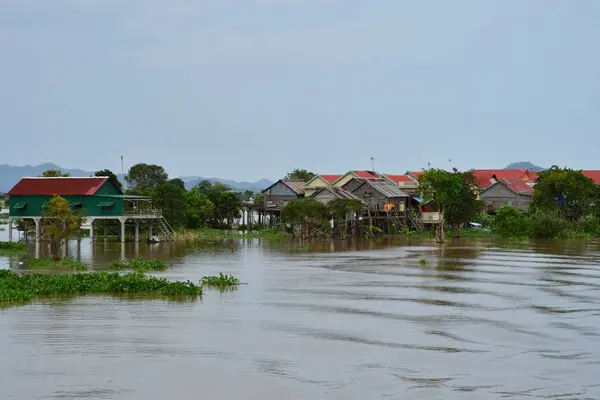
(7, 248)
(221, 281)
(16, 287)
(139, 265)
(65, 263)
(423, 262)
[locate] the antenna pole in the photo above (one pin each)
(372, 164)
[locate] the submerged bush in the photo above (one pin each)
(139, 265)
(223, 280)
(15, 287)
(547, 225)
(65, 263)
(510, 222)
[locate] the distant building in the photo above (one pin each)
(318, 182)
(93, 198)
(281, 192)
(516, 193)
(325, 195)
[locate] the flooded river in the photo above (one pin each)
(332, 321)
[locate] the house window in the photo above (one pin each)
(76, 206)
(20, 206)
(106, 204)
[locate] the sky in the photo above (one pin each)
(250, 89)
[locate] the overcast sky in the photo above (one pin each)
(249, 89)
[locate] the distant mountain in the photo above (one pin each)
(10, 175)
(524, 165)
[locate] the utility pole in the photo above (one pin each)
(122, 172)
(372, 164)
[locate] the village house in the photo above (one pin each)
(593, 175)
(348, 176)
(93, 198)
(325, 195)
(281, 192)
(404, 182)
(516, 193)
(487, 177)
(319, 182)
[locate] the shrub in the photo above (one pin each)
(223, 280)
(547, 225)
(510, 222)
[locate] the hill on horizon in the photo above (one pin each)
(524, 165)
(10, 175)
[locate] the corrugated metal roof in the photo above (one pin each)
(519, 186)
(386, 188)
(61, 186)
(338, 192)
(484, 177)
(297, 185)
(366, 174)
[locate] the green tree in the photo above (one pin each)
(55, 173)
(510, 222)
(307, 212)
(112, 176)
(466, 206)
(178, 182)
(226, 207)
(566, 190)
(204, 187)
(145, 176)
(300, 174)
(172, 200)
(59, 222)
(342, 210)
(445, 189)
(200, 209)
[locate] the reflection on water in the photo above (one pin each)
(330, 320)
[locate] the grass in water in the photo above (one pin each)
(19, 288)
(210, 235)
(221, 281)
(65, 263)
(139, 265)
(423, 262)
(7, 248)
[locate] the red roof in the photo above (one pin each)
(330, 178)
(366, 174)
(416, 174)
(484, 176)
(58, 186)
(592, 174)
(520, 186)
(399, 178)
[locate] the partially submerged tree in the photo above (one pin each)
(343, 210)
(59, 222)
(307, 212)
(55, 173)
(300, 174)
(452, 193)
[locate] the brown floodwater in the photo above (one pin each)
(354, 320)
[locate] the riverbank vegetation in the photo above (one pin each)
(68, 263)
(139, 265)
(216, 235)
(9, 248)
